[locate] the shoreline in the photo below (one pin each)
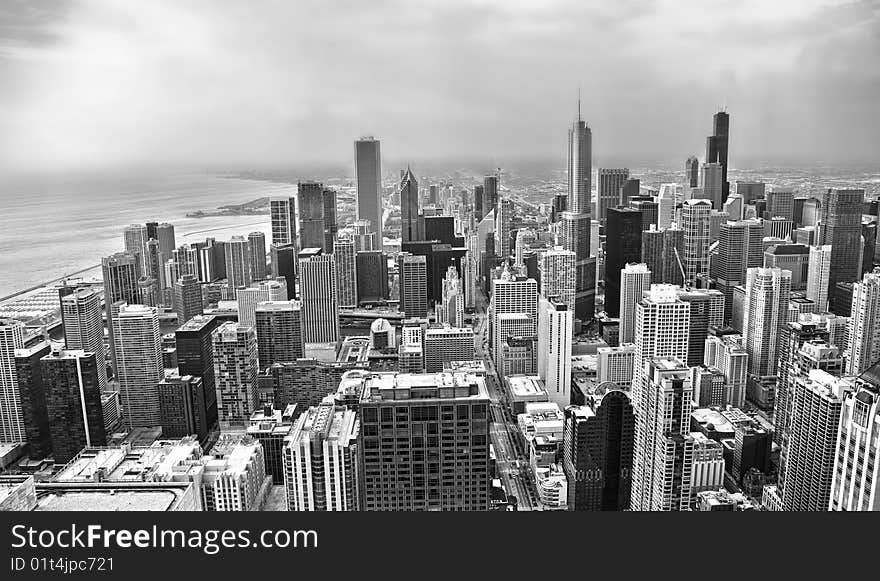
(47, 283)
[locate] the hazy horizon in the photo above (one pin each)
(95, 85)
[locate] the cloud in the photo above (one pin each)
(97, 84)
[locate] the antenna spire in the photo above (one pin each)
(579, 103)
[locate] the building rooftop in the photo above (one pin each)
(405, 386)
(525, 385)
(129, 496)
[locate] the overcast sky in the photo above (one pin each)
(114, 83)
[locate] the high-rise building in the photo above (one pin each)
(165, 236)
(136, 238)
(716, 148)
(32, 393)
(372, 280)
(83, 327)
(279, 332)
(864, 334)
(854, 484)
(663, 462)
(238, 264)
(557, 268)
(624, 231)
(283, 218)
(576, 220)
(320, 459)
(312, 223)
(490, 193)
(634, 280)
(368, 176)
(692, 172)
(767, 294)
(235, 372)
(615, 364)
(409, 207)
(516, 296)
(663, 253)
(780, 202)
(260, 291)
(12, 428)
(451, 307)
(424, 406)
(139, 363)
(712, 184)
(808, 456)
(555, 332)
(841, 227)
(73, 402)
(597, 453)
(525, 237)
(346, 272)
(364, 235)
(446, 344)
(257, 242)
(331, 227)
(188, 300)
(611, 181)
(182, 405)
(695, 223)
(317, 288)
(739, 249)
(503, 220)
(818, 276)
(728, 354)
(195, 356)
(413, 285)
(707, 311)
(120, 275)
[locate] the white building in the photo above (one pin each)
(262, 291)
(139, 363)
(11, 418)
(235, 372)
(817, 276)
(864, 330)
(856, 476)
(766, 310)
(615, 364)
(635, 279)
(317, 287)
(555, 331)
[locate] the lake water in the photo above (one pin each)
(50, 228)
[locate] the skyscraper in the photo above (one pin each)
(188, 300)
(854, 484)
(634, 280)
(555, 332)
(576, 220)
(283, 218)
(409, 207)
(135, 237)
(557, 269)
(120, 275)
(320, 459)
(864, 336)
(279, 332)
(12, 427)
(611, 181)
(707, 311)
(238, 264)
(451, 307)
(739, 249)
(424, 406)
(624, 230)
(597, 453)
(695, 223)
(728, 355)
(346, 272)
(83, 327)
(320, 306)
(249, 298)
(310, 204)
(490, 193)
(413, 285)
(692, 172)
(368, 175)
(713, 185)
(195, 357)
(664, 448)
(372, 280)
(503, 218)
(235, 372)
(515, 296)
(73, 402)
(257, 242)
(841, 227)
(818, 275)
(663, 253)
(446, 344)
(767, 294)
(284, 259)
(32, 394)
(165, 236)
(139, 362)
(716, 148)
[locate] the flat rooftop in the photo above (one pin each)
(525, 385)
(405, 386)
(139, 497)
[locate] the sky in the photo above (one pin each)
(102, 84)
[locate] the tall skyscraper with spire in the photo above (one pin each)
(575, 227)
(368, 176)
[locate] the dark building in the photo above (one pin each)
(32, 395)
(716, 149)
(438, 258)
(187, 298)
(182, 401)
(623, 245)
(409, 207)
(630, 190)
(869, 233)
(707, 311)
(152, 230)
(648, 206)
(73, 403)
(372, 276)
(279, 332)
(692, 172)
(312, 207)
(270, 427)
(752, 447)
(598, 454)
(478, 203)
(841, 227)
(195, 356)
(662, 251)
(841, 300)
(305, 382)
(330, 225)
(490, 193)
(560, 205)
(792, 337)
(284, 259)
(739, 248)
(439, 459)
